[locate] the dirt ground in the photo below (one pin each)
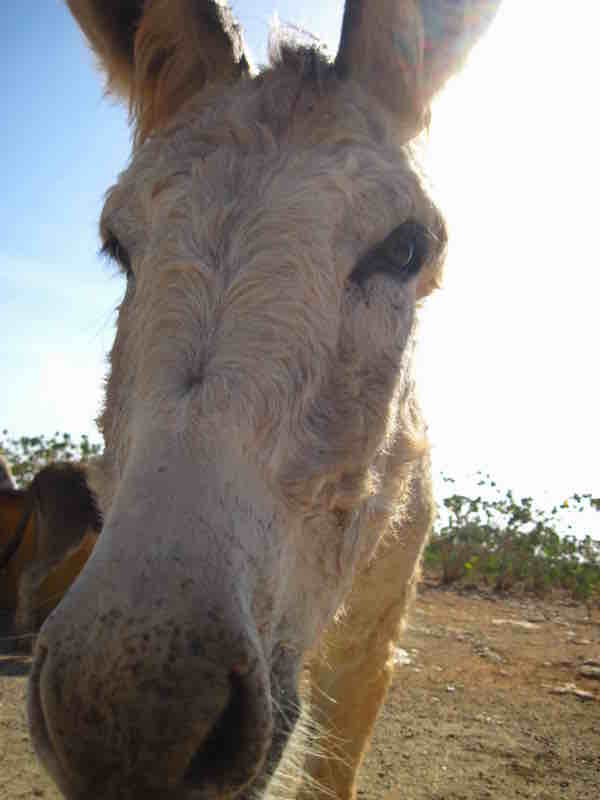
(473, 716)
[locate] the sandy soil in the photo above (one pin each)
(473, 715)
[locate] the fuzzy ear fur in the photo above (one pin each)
(157, 53)
(404, 51)
(110, 27)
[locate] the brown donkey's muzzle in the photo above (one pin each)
(177, 713)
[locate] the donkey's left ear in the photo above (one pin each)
(403, 51)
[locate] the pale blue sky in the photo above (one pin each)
(509, 358)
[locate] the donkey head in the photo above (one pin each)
(276, 240)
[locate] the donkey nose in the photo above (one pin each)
(116, 727)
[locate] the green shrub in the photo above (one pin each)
(498, 540)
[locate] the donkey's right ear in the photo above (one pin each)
(110, 27)
(404, 51)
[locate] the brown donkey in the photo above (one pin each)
(47, 532)
(265, 487)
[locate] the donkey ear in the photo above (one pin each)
(157, 53)
(403, 51)
(110, 27)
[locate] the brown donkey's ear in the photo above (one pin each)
(403, 51)
(157, 53)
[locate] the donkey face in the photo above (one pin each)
(259, 417)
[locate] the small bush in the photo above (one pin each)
(509, 544)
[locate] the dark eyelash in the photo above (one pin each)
(114, 250)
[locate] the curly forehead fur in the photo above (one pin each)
(250, 210)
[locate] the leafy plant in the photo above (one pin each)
(496, 539)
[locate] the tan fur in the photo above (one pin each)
(356, 660)
(265, 486)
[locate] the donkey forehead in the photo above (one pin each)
(332, 162)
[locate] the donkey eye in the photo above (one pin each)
(405, 249)
(114, 250)
(401, 254)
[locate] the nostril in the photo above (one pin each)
(234, 750)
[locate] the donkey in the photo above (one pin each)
(46, 534)
(265, 485)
